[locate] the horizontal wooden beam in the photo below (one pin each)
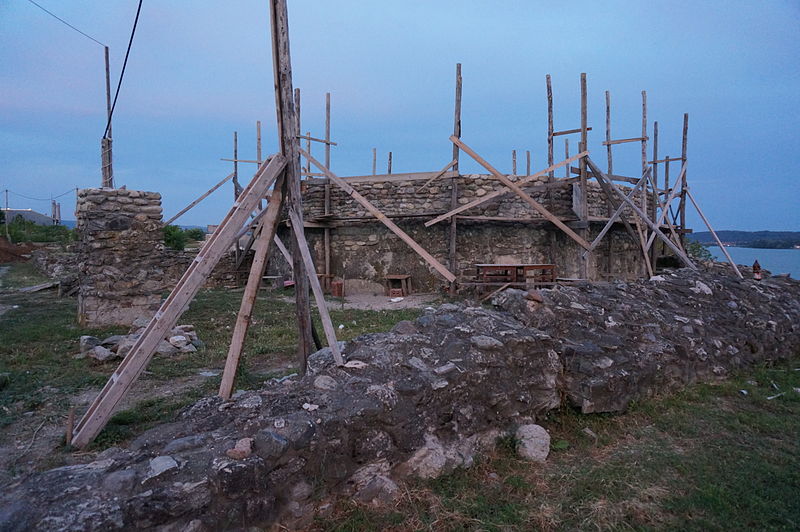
(666, 160)
(313, 139)
(622, 141)
(387, 178)
(570, 131)
(240, 160)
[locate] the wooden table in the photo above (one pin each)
(517, 275)
(403, 280)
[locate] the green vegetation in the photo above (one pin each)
(21, 230)
(708, 458)
(39, 338)
(177, 238)
(698, 251)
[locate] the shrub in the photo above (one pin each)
(174, 237)
(698, 251)
(195, 233)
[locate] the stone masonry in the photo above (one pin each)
(120, 245)
(362, 248)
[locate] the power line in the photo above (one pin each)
(65, 22)
(124, 64)
(41, 199)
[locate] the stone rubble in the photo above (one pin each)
(389, 413)
(179, 340)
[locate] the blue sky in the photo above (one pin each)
(200, 70)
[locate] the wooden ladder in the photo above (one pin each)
(165, 318)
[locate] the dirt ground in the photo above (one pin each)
(379, 301)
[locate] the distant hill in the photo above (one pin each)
(751, 239)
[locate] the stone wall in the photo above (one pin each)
(119, 244)
(416, 402)
(363, 248)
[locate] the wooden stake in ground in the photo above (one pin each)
(139, 356)
(714, 233)
(454, 181)
(288, 130)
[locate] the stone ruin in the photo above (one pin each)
(121, 242)
(502, 230)
(420, 400)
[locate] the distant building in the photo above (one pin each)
(30, 215)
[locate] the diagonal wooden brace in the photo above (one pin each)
(600, 175)
(672, 195)
(519, 192)
(617, 213)
(503, 192)
(344, 185)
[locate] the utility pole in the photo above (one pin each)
(105, 142)
(6, 218)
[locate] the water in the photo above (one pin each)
(774, 260)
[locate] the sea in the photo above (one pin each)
(775, 260)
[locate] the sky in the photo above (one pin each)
(200, 70)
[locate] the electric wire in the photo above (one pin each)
(70, 191)
(122, 72)
(65, 22)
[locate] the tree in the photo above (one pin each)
(698, 251)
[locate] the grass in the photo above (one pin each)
(708, 458)
(39, 376)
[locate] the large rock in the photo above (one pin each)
(533, 442)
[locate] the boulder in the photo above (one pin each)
(533, 442)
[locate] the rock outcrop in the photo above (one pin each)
(421, 400)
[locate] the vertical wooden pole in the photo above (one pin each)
(7, 220)
(513, 162)
(106, 143)
(550, 127)
(527, 162)
(258, 142)
(327, 230)
(682, 184)
(389, 164)
(608, 133)
(454, 181)
(308, 149)
(374, 161)
(654, 174)
(584, 259)
(651, 256)
(566, 156)
(236, 186)
(288, 128)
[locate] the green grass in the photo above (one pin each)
(39, 375)
(708, 458)
(20, 275)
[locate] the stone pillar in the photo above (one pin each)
(120, 243)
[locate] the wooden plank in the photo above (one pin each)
(519, 192)
(341, 183)
(267, 232)
(495, 292)
(527, 162)
(665, 159)
(258, 141)
(608, 134)
(439, 174)
(670, 226)
(316, 289)
(550, 125)
(622, 141)
(664, 211)
(632, 180)
(682, 182)
(452, 250)
(198, 200)
(326, 236)
(714, 233)
(641, 215)
(285, 252)
(513, 162)
(374, 161)
(569, 131)
(288, 128)
(309, 138)
(389, 164)
(139, 356)
(616, 214)
(502, 192)
(585, 259)
(252, 161)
